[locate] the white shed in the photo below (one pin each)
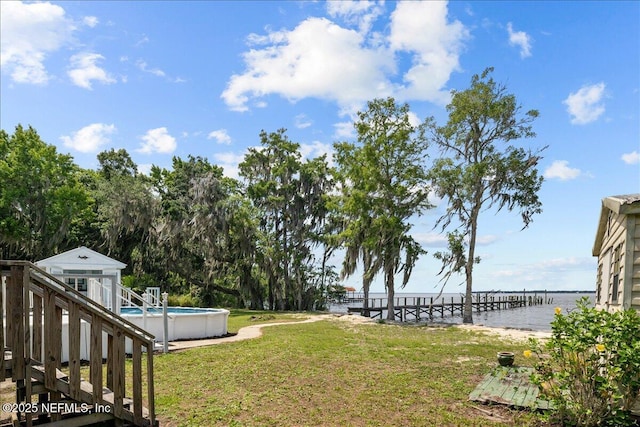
(89, 272)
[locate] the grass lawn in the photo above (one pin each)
(333, 373)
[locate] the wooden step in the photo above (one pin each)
(71, 420)
(86, 394)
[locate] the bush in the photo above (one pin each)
(186, 300)
(590, 367)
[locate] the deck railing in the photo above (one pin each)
(34, 338)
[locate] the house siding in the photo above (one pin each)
(634, 248)
(617, 246)
(615, 235)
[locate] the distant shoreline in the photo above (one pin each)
(539, 291)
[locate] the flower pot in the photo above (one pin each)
(506, 358)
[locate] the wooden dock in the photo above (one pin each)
(509, 386)
(425, 308)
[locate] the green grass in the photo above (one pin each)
(333, 373)
(241, 318)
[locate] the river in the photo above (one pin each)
(536, 317)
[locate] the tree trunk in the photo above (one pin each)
(467, 316)
(388, 273)
(366, 280)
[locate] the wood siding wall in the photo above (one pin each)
(615, 234)
(635, 276)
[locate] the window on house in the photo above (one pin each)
(599, 284)
(614, 289)
(617, 254)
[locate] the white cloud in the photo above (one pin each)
(144, 40)
(544, 270)
(344, 130)
(157, 141)
(322, 59)
(316, 59)
(317, 149)
(631, 158)
(431, 239)
(360, 13)
(486, 239)
(521, 40)
(422, 29)
(302, 121)
(560, 169)
(229, 162)
(434, 199)
(145, 168)
(142, 66)
(414, 120)
(440, 240)
(90, 21)
(584, 106)
(90, 138)
(221, 136)
(84, 70)
(29, 32)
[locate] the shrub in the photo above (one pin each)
(590, 367)
(185, 300)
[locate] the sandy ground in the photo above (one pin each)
(516, 334)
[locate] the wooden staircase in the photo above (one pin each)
(34, 306)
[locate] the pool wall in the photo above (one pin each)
(202, 323)
(184, 325)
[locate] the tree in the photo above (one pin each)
(113, 163)
(40, 196)
(483, 171)
(384, 183)
(125, 209)
(291, 195)
(192, 228)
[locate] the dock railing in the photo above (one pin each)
(418, 308)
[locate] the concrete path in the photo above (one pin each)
(246, 333)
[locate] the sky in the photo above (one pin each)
(178, 78)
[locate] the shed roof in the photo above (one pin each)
(625, 204)
(81, 258)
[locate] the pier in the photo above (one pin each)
(424, 308)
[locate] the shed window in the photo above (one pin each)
(79, 283)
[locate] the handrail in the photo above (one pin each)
(55, 284)
(35, 339)
(131, 293)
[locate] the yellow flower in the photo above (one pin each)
(558, 310)
(526, 353)
(600, 347)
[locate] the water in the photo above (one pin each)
(537, 317)
(170, 310)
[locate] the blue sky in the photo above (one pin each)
(164, 79)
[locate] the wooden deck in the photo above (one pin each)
(509, 386)
(425, 308)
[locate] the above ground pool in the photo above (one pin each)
(184, 322)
